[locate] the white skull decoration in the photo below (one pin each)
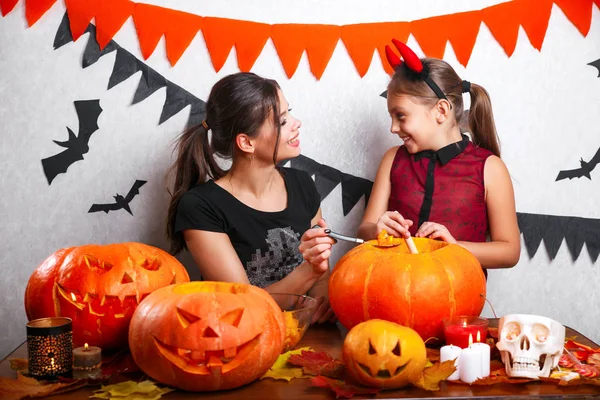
(530, 345)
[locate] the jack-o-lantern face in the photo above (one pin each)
(207, 335)
(99, 287)
(383, 354)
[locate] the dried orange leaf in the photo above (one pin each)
(24, 387)
(341, 388)
(432, 376)
(433, 355)
(317, 363)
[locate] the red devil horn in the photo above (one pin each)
(392, 58)
(410, 58)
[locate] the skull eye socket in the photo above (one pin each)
(540, 332)
(371, 349)
(511, 331)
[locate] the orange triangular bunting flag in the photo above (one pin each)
(503, 22)
(289, 41)
(182, 29)
(221, 34)
(110, 17)
(150, 26)
(534, 17)
(321, 41)
(7, 6)
(578, 12)
(460, 28)
(80, 15)
(34, 9)
(361, 41)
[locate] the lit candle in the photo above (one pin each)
(483, 349)
(49, 347)
(87, 357)
(470, 363)
(451, 352)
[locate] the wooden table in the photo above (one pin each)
(330, 339)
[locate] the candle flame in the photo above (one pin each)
(478, 336)
(52, 362)
(73, 297)
(470, 339)
(85, 347)
(464, 323)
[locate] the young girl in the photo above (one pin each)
(250, 224)
(440, 183)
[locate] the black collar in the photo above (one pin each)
(446, 153)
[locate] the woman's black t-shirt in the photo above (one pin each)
(266, 242)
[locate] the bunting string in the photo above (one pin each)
(317, 40)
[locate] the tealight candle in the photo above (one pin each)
(483, 349)
(451, 352)
(470, 364)
(87, 357)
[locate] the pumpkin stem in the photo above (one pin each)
(491, 306)
(431, 338)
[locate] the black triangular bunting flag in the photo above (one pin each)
(92, 52)
(150, 82)
(177, 99)
(353, 188)
(125, 66)
(63, 34)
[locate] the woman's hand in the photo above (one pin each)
(394, 224)
(315, 247)
(434, 230)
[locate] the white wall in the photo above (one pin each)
(545, 105)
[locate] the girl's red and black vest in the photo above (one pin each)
(445, 186)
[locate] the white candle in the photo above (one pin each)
(470, 363)
(451, 353)
(483, 350)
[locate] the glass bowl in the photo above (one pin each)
(298, 311)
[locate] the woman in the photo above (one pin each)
(251, 223)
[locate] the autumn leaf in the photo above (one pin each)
(341, 388)
(432, 376)
(581, 351)
(24, 387)
(130, 390)
(433, 355)
(494, 379)
(281, 370)
(18, 364)
(317, 363)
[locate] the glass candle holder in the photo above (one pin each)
(458, 330)
(50, 347)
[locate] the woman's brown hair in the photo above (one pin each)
(238, 103)
(480, 116)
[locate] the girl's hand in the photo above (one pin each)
(434, 230)
(315, 247)
(394, 224)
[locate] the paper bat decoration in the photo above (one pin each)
(586, 168)
(88, 112)
(596, 64)
(121, 203)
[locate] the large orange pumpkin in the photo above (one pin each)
(99, 287)
(202, 336)
(414, 290)
(383, 354)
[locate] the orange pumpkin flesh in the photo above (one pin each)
(383, 354)
(415, 290)
(203, 336)
(99, 287)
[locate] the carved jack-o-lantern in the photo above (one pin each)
(383, 354)
(99, 287)
(201, 336)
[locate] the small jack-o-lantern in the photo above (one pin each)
(383, 354)
(202, 336)
(99, 287)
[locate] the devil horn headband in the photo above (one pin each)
(413, 63)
